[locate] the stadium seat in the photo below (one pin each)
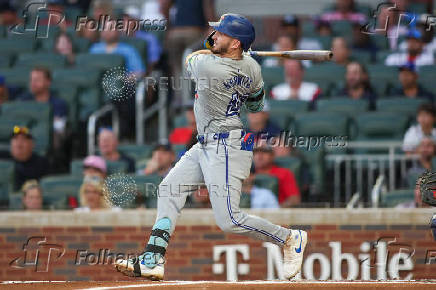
(400, 105)
(326, 41)
(76, 167)
(363, 57)
(381, 41)
(382, 55)
(282, 112)
(316, 161)
(58, 188)
(267, 181)
(6, 181)
(3, 30)
(18, 77)
(147, 186)
(308, 28)
(342, 28)
(320, 124)
(5, 61)
(48, 60)
(15, 201)
(101, 62)
(180, 121)
(136, 152)
(272, 76)
(69, 94)
(17, 45)
(396, 197)
(80, 77)
(327, 71)
(380, 126)
(342, 105)
(89, 100)
(291, 163)
(382, 73)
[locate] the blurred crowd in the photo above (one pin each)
(399, 39)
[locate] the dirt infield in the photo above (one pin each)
(222, 285)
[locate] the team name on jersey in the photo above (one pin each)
(238, 80)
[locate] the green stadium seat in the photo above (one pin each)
(381, 88)
(148, 188)
(58, 188)
(180, 121)
(267, 181)
(3, 31)
(321, 124)
(326, 41)
(380, 126)
(382, 73)
(400, 105)
(316, 161)
(381, 41)
(396, 197)
(342, 105)
(363, 57)
(101, 62)
(342, 28)
(81, 45)
(81, 77)
(308, 29)
(5, 61)
(382, 55)
(136, 152)
(139, 44)
(272, 76)
(69, 94)
(18, 77)
(76, 167)
(48, 60)
(283, 111)
(89, 100)
(245, 200)
(14, 46)
(15, 201)
(326, 71)
(6, 181)
(291, 163)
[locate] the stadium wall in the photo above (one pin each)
(353, 244)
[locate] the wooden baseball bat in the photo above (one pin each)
(317, 55)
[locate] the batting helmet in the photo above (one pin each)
(236, 26)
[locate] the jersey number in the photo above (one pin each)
(234, 106)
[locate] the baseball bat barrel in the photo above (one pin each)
(317, 55)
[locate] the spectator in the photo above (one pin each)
(357, 84)
(260, 124)
(409, 86)
(161, 161)
(340, 50)
(154, 48)
(426, 150)
(188, 24)
(110, 44)
(259, 197)
(64, 46)
(199, 198)
(424, 128)
(183, 135)
(289, 194)
(362, 42)
(32, 195)
(28, 165)
(4, 93)
(89, 32)
(291, 26)
(295, 87)
(91, 194)
(108, 144)
(101, 8)
(8, 14)
(415, 54)
(40, 82)
(344, 10)
(323, 28)
(284, 43)
(94, 166)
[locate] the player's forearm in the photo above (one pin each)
(202, 51)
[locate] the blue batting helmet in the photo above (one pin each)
(236, 26)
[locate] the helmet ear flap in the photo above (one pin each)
(208, 42)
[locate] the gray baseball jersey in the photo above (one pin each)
(222, 86)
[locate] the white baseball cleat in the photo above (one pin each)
(293, 251)
(136, 268)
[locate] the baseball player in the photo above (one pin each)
(226, 79)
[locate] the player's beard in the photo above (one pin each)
(220, 50)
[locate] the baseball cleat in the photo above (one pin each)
(293, 251)
(136, 268)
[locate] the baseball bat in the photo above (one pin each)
(317, 55)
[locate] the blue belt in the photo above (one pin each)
(216, 136)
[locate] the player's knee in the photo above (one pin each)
(227, 225)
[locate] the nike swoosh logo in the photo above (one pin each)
(298, 250)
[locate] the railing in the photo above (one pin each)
(92, 124)
(383, 164)
(160, 107)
